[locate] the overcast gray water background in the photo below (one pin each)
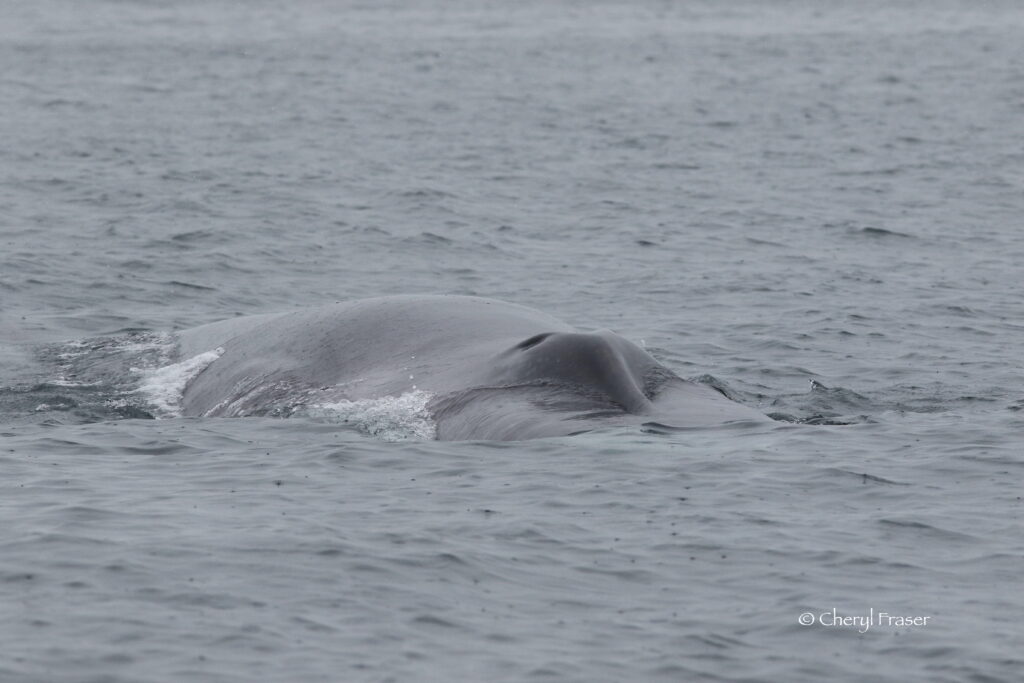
(817, 206)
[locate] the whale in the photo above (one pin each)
(492, 370)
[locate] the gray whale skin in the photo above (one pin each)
(496, 370)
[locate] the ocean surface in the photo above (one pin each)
(816, 206)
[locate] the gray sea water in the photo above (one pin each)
(815, 206)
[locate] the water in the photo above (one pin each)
(814, 206)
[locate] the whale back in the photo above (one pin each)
(363, 349)
(494, 370)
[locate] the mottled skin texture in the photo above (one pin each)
(496, 370)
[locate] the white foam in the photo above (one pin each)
(391, 418)
(155, 342)
(65, 382)
(164, 386)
